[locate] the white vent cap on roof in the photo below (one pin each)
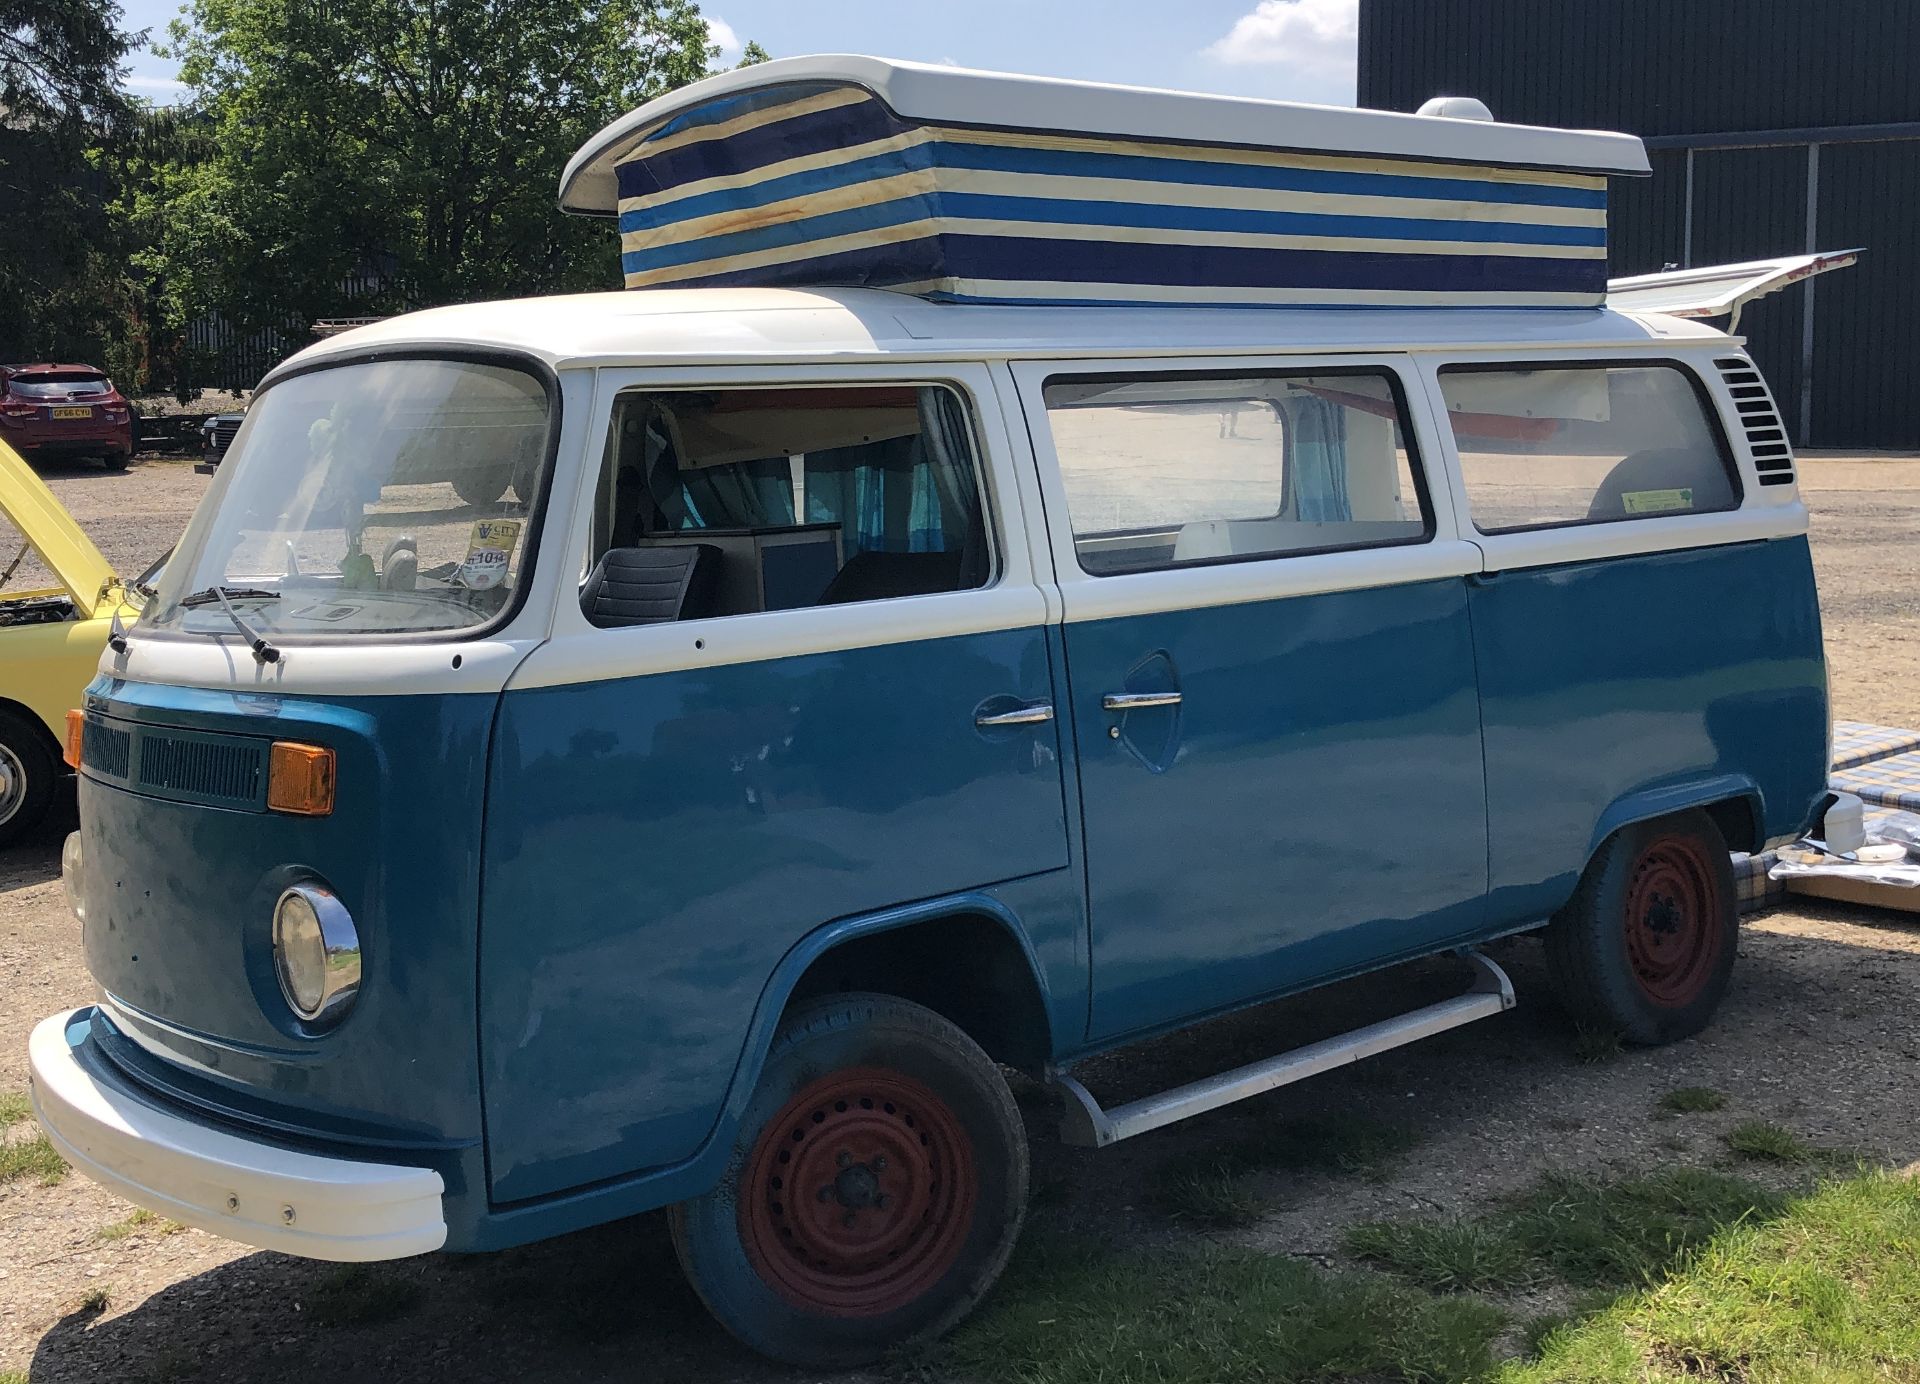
(1457, 108)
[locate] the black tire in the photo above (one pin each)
(29, 768)
(1645, 947)
(779, 1273)
(116, 461)
(483, 485)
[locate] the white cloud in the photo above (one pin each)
(721, 33)
(165, 86)
(1315, 38)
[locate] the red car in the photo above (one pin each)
(65, 410)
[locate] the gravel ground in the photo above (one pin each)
(1821, 1033)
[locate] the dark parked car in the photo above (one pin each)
(65, 410)
(216, 435)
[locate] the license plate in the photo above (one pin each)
(73, 413)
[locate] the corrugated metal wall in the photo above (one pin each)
(1655, 67)
(1701, 70)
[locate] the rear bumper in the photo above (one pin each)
(120, 440)
(252, 1190)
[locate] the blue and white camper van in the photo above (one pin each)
(1025, 567)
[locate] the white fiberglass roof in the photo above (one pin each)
(939, 95)
(748, 325)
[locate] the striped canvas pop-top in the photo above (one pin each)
(980, 187)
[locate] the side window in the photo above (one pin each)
(1165, 471)
(735, 501)
(1580, 444)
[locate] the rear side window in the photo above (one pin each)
(1166, 471)
(1584, 444)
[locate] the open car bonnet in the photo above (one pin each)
(53, 535)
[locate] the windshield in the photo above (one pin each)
(387, 497)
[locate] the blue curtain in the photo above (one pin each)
(1317, 457)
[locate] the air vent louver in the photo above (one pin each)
(1766, 434)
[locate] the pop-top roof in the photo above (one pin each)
(983, 186)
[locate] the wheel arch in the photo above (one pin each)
(1001, 998)
(39, 724)
(1733, 801)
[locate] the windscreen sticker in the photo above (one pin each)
(488, 550)
(1656, 501)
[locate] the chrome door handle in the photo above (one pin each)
(1135, 701)
(1019, 716)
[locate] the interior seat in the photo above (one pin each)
(652, 585)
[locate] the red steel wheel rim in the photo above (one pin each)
(1673, 921)
(858, 1196)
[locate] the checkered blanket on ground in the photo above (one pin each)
(1856, 743)
(1893, 782)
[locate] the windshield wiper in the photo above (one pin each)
(263, 652)
(223, 594)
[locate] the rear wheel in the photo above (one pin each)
(116, 461)
(874, 1191)
(1645, 948)
(27, 773)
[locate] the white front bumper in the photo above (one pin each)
(245, 1189)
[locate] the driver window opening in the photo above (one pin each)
(738, 501)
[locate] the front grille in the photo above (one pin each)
(183, 765)
(107, 749)
(1766, 434)
(223, 431)
(225, 771)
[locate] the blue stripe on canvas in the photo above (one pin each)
(956, 208)
(1188, 266)
(850, 125)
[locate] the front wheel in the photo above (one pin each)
(1645, 947)
(874, 1190)
(27, 773)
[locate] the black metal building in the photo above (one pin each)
(1773, 126)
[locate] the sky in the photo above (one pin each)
(1296, 50)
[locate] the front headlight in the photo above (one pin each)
(316, 953)
(70, 876)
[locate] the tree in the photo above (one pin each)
(63, 287)
(369, 156)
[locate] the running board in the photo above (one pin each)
(1085, 1125)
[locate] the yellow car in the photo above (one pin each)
(50, 639)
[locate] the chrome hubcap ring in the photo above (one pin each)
(13, 784)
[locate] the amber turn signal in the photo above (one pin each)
(76, 730)
(300, 778)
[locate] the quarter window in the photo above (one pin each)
(1585, 444)
(735, 501)
(1167, 471)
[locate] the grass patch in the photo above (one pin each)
(1074, 1314)
(1692, 1100)
(1593, 1045)
(33, 1157)
(1765, 1142)
(1447, 1255)
(1828, 1291)
(141, 1219)
(1593, 1235)
(14, 1107)
(96, 1301)
(1597, 1235)
(1219, 1183)
(1217, 1195)
(355, 1295)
